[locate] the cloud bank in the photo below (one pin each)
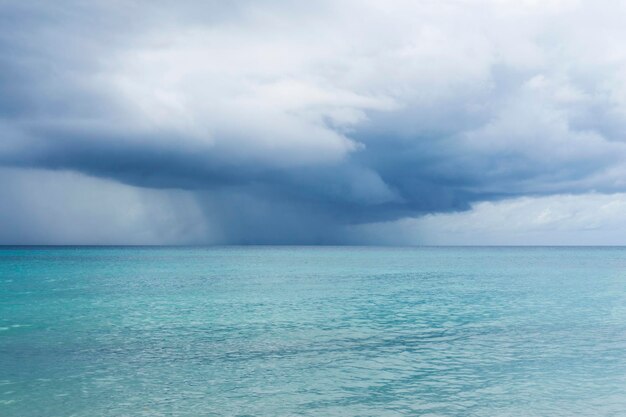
(283, 122)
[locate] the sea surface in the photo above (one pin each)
(312, 331)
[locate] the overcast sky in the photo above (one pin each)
(323, 122)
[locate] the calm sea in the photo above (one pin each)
(312, 331)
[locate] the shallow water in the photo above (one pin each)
(308, 331)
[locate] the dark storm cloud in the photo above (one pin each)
(289, 123)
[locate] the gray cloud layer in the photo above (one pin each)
(292, 123)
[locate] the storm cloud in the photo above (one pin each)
(303, 122)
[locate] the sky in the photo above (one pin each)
(395, 122)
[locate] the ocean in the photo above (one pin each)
(312, 331)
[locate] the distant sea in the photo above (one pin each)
(312, 331)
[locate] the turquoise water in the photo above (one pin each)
(307, 331)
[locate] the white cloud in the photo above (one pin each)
(587, 219)
(283, 85)
(349, 111)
